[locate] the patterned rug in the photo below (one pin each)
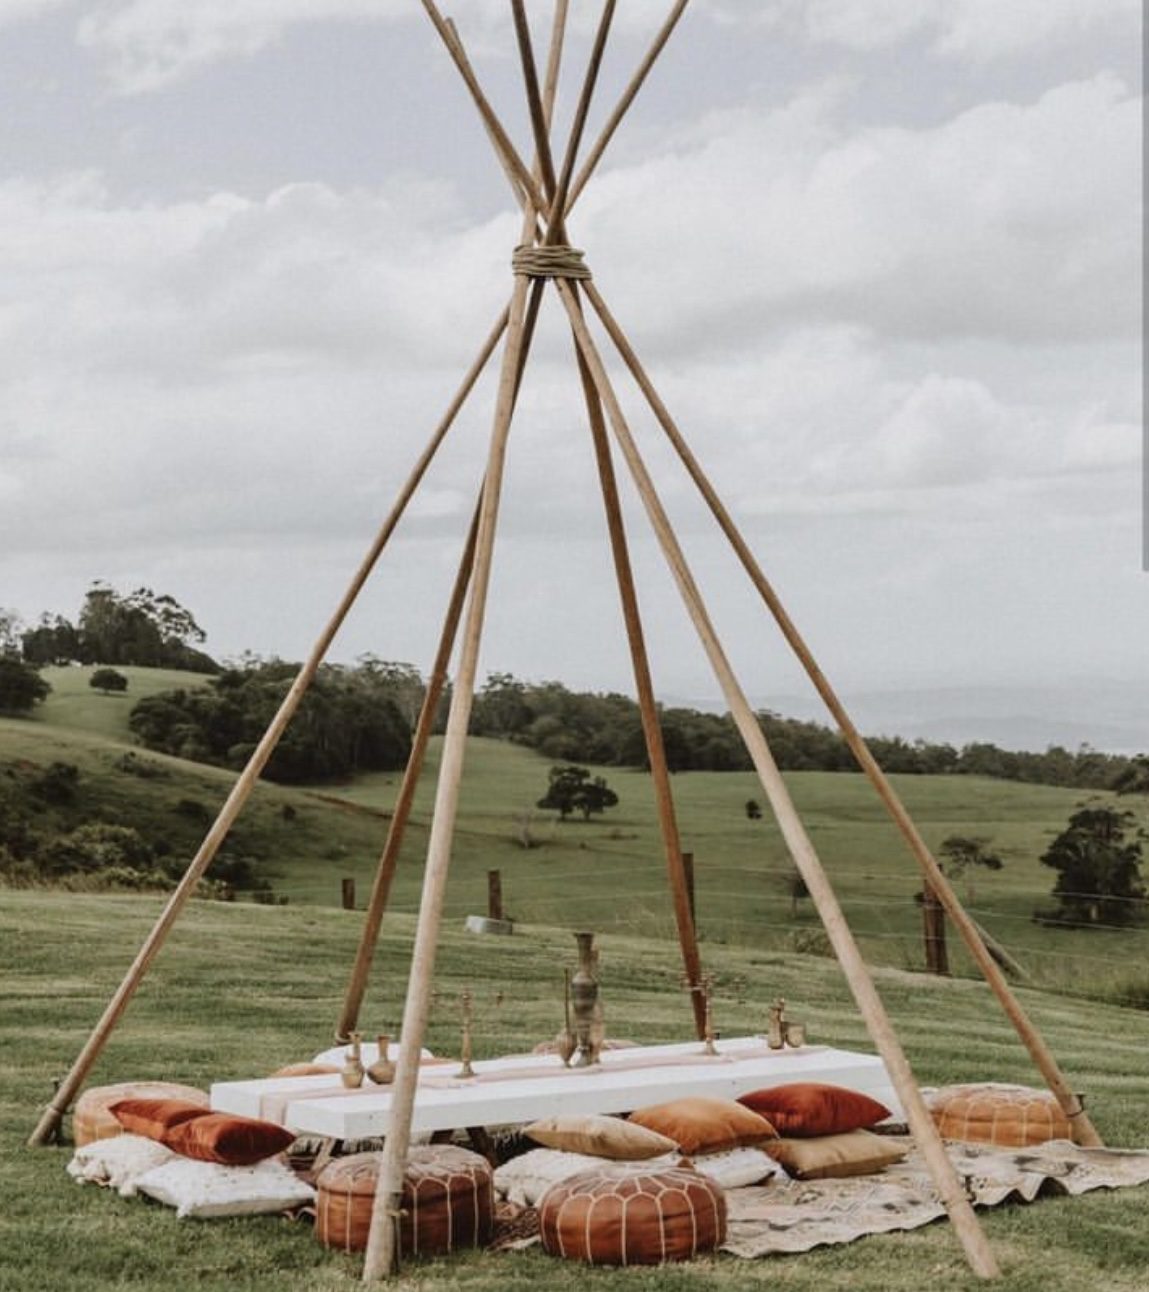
(786, 1216)
(794, 1215)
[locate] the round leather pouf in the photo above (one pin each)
(994, 1113)
(630, 1216)
(448, 1201)
(92, 1121)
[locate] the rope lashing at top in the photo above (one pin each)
(550, 262)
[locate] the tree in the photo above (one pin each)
(107, 680)
(9, 632)
(1099, 870)
(21, 687)
(1133, 779)
(141, 628)
(960, 853)
(573, 789)
(753, 809)
(54, 640)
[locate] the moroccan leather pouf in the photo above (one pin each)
(993, 1113)
(92, 1121)
(448, 1201)
(630, 1216)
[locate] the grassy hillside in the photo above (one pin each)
(241, 989)
(610, 873)
(75, 705)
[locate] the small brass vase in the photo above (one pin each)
(382, 1071)
(352, 1072)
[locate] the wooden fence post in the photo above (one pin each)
(348, 894)
(494, 895)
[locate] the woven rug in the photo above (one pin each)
(786, 1216)
(794, 1215)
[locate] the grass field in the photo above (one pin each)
(74, 704)
(241, 989)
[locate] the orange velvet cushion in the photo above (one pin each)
(627, 1215)
(808, 1108)
(700, 1124)
(995, 1113)
(153, 1118)
(234, 1141)
(598, 1136)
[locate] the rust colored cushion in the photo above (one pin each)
(92, 1119)
(834, 1156)
(155, 1117)
(627, 1215)
(704, 1125)
(448, 1201)
(806, 1108)
(599, 1136)
(995, 1113)
(233, 1141)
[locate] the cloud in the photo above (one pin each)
(1010, 220)
(969, 29)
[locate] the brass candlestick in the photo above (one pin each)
(565, 1042)
(584, 996)
(466, 1070)
(705, 987)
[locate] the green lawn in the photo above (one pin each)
(242, 989)
(74, 704)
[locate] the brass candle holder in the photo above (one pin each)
(465, 1049)
(705, 988)
(565, 1043)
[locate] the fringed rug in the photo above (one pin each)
(795, 1215)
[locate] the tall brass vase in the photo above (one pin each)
(584, 998)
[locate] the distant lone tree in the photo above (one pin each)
(753, 809)
(1098, 870)
(960, 854)
(21, 687)
(573, 789)
(108, 680)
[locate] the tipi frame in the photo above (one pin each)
(546, 196)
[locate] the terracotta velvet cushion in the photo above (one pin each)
(700, 1124)
(448, 1201)
(92, 1120)
(626, 1215)
(232, 1141)
(993, 1113)
(153, 1118)
(834, 1156)
(599, 1136)
(806, 1108)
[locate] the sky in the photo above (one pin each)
(882, 260)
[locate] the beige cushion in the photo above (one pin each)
(995, 1113)
(92, 1119)
(833, 1156)
(700, 1124)
(600, 1136)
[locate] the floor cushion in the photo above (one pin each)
(118, 1161)
(210, 1189)
(830, 1157)
(92, 1120)
(227, 1139)
(805, 1108)
(599, 1136)
(153, 1118)
(448, 1201)
(525, 1178)
(996, 1113)
(700, 1124)
(631, 1215)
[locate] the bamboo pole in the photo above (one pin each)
(676, 869)
(245, 782)
(388, 859)
(623, 105)
(801, 849)
(381, 1258)
(1083, 1130)
(494, 126)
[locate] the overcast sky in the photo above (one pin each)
(882, 258)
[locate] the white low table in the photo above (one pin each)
(527, 1087)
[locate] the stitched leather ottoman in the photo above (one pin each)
(448, 1201)
(92, 1121)
(630, 1216)
(994, 1113)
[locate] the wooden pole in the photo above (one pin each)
(494, 895)
(382, 1253)
(1083, 1130)
(347, 894)
(680, 889)
(389, 858)
(246, 781)
(801, 849)
(688, 871)
(623, 105)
